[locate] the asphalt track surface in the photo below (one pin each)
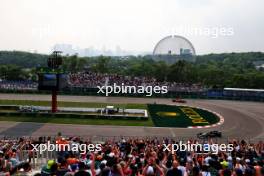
(244, 120)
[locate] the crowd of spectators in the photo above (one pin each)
(132, 157)
(92, 80)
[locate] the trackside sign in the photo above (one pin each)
(194, 116)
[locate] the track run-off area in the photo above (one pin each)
(241, 119)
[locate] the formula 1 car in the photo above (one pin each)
(178, 100)
(210, 134)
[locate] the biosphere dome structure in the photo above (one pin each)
(173, 48)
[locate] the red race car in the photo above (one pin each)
(178, 100)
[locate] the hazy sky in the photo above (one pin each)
(213, 26)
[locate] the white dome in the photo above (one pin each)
(174, 45)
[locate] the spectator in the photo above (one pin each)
(81, 171)
(174, 171)
(48, 170)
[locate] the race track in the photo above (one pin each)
(242, 119)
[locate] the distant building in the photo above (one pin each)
(259, 65)
(68, 49)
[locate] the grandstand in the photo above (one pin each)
(88, 81)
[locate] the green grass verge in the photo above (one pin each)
(173, 116)
(80, 121)
(116, 122)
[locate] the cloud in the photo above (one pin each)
(131, 24)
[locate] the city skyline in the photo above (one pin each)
(69, 49)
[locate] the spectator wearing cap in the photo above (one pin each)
(224, 164)
(240, 165)
(47, 170)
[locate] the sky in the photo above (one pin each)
(213, 26)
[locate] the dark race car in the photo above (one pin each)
(210, 134)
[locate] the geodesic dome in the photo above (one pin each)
(173, 48)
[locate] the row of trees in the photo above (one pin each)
(222, 70)
(14, 72)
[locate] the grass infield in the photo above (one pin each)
(180, 116)
(160, 115)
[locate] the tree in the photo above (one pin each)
(102, 64)
(180, 72)
(13, 72)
